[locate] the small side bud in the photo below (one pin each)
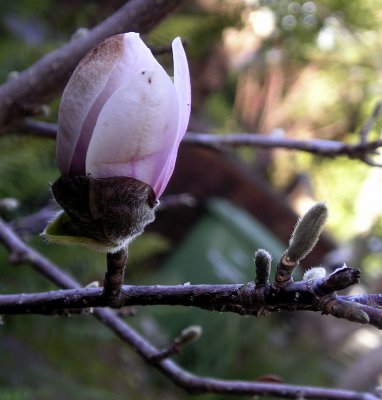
(44, 110)
(307, 232)
(79, 33)
(188, 335)
(314, 273)
(13, 75)
(9, 204)
(360, 316)
(92, 285)
(262, 261)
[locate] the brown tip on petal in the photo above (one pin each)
(111, 47)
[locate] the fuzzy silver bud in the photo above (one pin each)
(188, 335)
(314, 273)
(307, 232)
(262, 261)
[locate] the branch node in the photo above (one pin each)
(284, 270)
(17, 257)
(339, 279)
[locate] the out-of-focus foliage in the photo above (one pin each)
(34, 165)
(307, 68)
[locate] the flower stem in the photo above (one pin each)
(114, 277)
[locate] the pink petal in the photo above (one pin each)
(137, 125)
(183, 89)
(182, 86)
(82, 91)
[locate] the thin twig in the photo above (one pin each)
(37, 128)
(34, 223)
(244, 299)
(203, 296)
(197, 385)
(319, 147)
(368, 125)
(176, 200)
(20, 253)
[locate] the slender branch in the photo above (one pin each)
(34, 223)
(176, 200)
(198, 385)
(214, 297)
(37, 128)
(42, 81)
(244, 299)
(370, 122)
(320, 147)
(323, 148)
(20, 253)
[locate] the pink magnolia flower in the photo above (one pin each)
(122, 115)
(120, 123)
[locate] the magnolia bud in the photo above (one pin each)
(120, 123)
(314, 273)
(188, 335)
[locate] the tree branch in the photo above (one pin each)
(320, 147)
(20, 253)
(297, 296)
(42, 81)
(324, 148)
(34, 223)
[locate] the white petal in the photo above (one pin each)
(182, 86)
(183, 89)
(84, 87)
(137, 126)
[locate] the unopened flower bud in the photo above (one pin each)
(120, 123)
(9, 203)
(307, 232)
(189, 335)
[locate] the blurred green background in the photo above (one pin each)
(303, 69)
